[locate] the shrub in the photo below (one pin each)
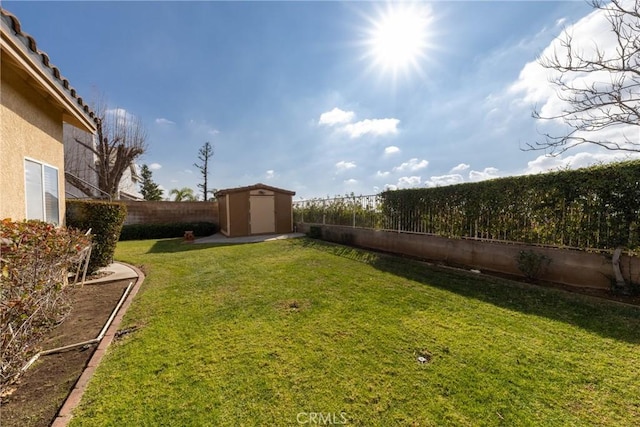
(595, 207)
(532, 264)
(105, 220)
(162, 231)
(34, 260)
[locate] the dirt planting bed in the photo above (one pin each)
(41, 391)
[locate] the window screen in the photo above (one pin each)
(41, 192)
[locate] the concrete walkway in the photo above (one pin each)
(221, 238)
(117, 271)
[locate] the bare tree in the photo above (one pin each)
(600, 88)
(204, 155)
(120, 140)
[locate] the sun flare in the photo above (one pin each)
(398, 39)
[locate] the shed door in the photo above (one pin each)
(262, 214)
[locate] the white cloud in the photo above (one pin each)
(392, 149)
(343, 166)
(580, 160)
(390, 187)
(375, 127)
(351, 181)
(336, 117)
(412, 165)
(461, 167)
(270, 174)
(381, 174)
(588, 34)
(163, 121)
(120, 113)
(155, 166)
(409, 181)
(188, 171)
(202, 127)
(443, 180)
(486, 173)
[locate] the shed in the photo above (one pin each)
(256, 209)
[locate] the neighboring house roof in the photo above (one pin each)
(23, 52)
(253, 187)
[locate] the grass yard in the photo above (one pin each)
(298, 332)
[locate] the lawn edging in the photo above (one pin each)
(73, 399)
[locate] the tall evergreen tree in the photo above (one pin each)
(149, 189)
(204, 155)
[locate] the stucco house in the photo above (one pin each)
(35, 102)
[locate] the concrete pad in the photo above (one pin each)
(117, 270)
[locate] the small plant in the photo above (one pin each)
(315, 232)
(532, 264)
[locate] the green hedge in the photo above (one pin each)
(105, 220)
(596, 207)
(161, 231)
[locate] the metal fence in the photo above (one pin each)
(568, 226)
(354, 211)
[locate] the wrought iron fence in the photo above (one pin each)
(562, 223)
(352, 211)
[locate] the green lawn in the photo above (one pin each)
(270, 333)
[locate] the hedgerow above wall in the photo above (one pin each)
(596, 207)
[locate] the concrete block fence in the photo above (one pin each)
(568, 266)
(145, 212)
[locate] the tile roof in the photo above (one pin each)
(30, 43)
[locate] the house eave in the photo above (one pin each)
(45, 78)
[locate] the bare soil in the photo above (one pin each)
(41, 391)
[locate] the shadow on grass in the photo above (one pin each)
(605, 318)
(166, 246)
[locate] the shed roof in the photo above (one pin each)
(24, 52)
(253, 187)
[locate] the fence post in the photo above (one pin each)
(323, 211)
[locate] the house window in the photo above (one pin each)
(42, 192)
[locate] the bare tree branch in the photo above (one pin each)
(611, 99)
(120, 140)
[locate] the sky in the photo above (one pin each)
(323, 98)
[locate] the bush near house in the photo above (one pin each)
(163, 231)
(105, 220)
(34, 259)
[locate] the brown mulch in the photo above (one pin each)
(41, 391)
